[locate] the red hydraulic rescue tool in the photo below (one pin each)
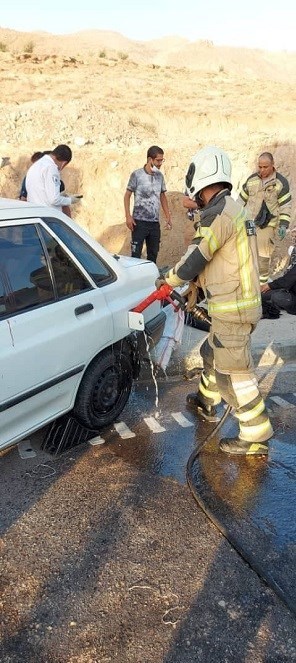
(166, 292)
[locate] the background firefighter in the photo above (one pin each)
(222, 259)
(268, 199)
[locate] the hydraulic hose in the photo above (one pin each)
(248, 557)
(197, 451)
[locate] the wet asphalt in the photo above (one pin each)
(107, 555)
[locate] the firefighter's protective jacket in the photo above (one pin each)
(275, 193)
(223, 255)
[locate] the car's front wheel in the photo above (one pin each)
(104, 390)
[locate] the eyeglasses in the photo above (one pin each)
(159, 160)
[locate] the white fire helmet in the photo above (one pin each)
(209, 166)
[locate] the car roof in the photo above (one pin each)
(10, 203)
(10, 208)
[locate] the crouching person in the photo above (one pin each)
(280, 293)
(223, 255)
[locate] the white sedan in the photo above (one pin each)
(66, 338)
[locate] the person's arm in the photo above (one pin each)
(52, 188)
(66, 209)
(130, 222)
(209, 238)
(23, 191)
(284, 201)
(165, 207)
(286, 282)
(243, 196)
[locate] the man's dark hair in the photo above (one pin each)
(267, 155)
(62, 153)
(36, 156)
(153, 151)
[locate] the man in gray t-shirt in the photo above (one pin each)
(148, 186)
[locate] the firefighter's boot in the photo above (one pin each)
(238, 447)
(255, 428)
(208, 412)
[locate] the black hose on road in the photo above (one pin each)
(248, 557)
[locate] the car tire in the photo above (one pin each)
(104, 390)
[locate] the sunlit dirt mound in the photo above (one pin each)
(110, 98)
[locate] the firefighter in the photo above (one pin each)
(222, 260)
(268, 199)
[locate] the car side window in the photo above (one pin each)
(68, 279)
(89, 259)
(2, 296)
(21, 258)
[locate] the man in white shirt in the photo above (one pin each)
(43, 179)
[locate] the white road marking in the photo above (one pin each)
(180, 419)
(25, 449)
(96, 441)
(280, 401)
(123, 430)
(154, 426)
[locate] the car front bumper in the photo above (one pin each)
(154, 330)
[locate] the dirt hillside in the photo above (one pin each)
(111, 98)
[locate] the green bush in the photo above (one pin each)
(102, 54)
(3, 47)
(123, 56)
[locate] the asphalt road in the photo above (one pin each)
(106, 555)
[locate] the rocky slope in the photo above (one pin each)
(110, 99)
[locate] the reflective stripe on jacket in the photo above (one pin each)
(223, 255)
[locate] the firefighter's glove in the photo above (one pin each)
(192, 295)
(282, 231)
(159, 282)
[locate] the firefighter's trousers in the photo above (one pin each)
(266, 245)
(228, 374)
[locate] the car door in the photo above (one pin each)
(53, 321)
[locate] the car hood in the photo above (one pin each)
(127, 261)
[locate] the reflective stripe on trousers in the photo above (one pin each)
(266, 246)
(228, 374)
